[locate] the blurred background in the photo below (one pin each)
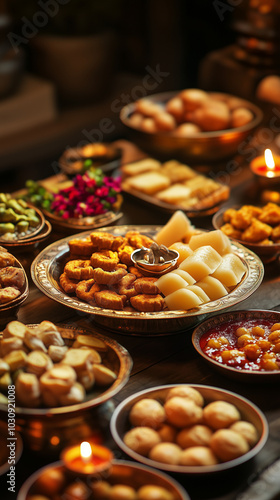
(68, 66)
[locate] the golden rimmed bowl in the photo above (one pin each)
(155, 267)
(243, 317)
(97, 155)
(48, 429)
(203, 147)
(120, 424)
(267, 253)
(121, 472)
(48, 265)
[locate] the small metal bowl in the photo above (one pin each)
(101, 155)
(233, 317)
(203, 147)
(121, 472)
(120, 424)
(155, 267)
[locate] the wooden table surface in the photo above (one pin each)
(171, 359)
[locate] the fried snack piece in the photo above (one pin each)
(230, 231)
(256, 232)
(6, 258)
(67, 284)
(11, 344)
(110, 300)
(86, 290)
(275, 235)
(108, 277)
(126, 285)
(82, 247)
(8, 294)
(147, 303)
(270, 214)
(15, 329)
(137, 240)
(134, 270)
(125, 252)
(106, 259)
(103, 375)
(79, 269)
(146, 285)
(106, 241)
(38, 362)
(27, 388)
(12, 276)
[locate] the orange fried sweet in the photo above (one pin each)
(275, 235)
(256, 232)
(108, 277)
(134, 270)
(106, 259)
(137, 240)
(82, 247)
(146, 285)
(147, 303)
(106, 241)
(125, 254)
(79, 269)
(86, 290)
(230, 231)
(6, 258)
(67, 284)
(109, 299)
(270, 214)
(126, 285)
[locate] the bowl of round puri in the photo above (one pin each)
(189, 429)
(191, 125)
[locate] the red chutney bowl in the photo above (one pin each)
(252, 365)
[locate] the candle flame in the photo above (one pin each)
(85, 451)
(269, 160)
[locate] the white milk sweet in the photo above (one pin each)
(230, 271)
(174, 230)
(216, 239)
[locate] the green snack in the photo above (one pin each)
(3, 198)
(9, 215)
(33, 221)
(7, 227)
(22, 203)
(15, 206)
(22, 226)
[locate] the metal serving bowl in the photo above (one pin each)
(120, 424)
(121, 472)
(48, 429)
(245, 317)
(209, 147)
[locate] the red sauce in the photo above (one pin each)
(228, 330)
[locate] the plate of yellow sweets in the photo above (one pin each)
(189, 428)
(256, 227)
(57, 371)
(148, 279)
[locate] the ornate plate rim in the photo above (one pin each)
(40, 273)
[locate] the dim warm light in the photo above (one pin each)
(85, 451)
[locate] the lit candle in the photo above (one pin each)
(266, 168)
(86, 458)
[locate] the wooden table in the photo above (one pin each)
(159, 360)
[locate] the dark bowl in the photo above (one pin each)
(203, 147)
(8, 311)
(245, 375)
